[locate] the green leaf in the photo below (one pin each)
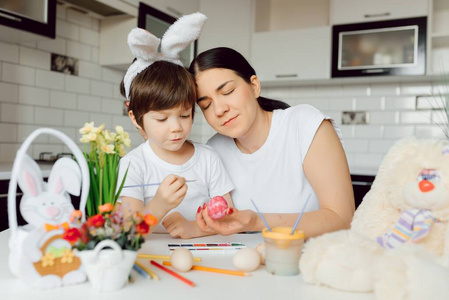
(122, 183)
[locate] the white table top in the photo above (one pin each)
(261, 285)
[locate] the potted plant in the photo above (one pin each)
(103, 150)
(107, 244)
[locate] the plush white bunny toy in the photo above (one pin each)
(398, 244)
(39, 256)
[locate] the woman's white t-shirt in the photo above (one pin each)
(273, 176)
(205, 167)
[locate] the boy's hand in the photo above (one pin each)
(172, 191)
(178, 226)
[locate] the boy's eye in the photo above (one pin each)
(228, 93)
(161, 120)
(185, 116)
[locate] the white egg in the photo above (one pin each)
(246, 259)
(181, 259)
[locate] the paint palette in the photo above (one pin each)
(224, 248)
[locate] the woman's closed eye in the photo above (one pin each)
(205, 105)
(228, 92)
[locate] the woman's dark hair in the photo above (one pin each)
(163, 85)
(226, 58)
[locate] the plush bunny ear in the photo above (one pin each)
(30, 178)
(65, 176)
(181, 34)
(143, 44)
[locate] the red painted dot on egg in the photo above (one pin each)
(217, 207)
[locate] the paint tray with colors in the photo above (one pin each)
(215, 248)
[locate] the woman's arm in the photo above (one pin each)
(326, 169)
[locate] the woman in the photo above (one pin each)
(275, 155)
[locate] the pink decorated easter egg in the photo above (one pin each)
(217, 207)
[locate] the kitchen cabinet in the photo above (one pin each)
(20, 23)
(114, 50)
(357, 11)
(229, 24)
(361, 185)
(292, 55)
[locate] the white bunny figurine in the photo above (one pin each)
(39, 255)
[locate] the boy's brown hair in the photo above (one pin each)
(163, 85)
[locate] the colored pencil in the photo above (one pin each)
(141, 271)
(173, 273)
(261, 216)
(161, 257)
(148, 271)
(150, 184)
(214, 270)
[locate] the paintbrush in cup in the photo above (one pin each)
(300, 215)
(261, 216)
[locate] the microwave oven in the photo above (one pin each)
(392, 47)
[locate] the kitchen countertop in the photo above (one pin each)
(6, 169)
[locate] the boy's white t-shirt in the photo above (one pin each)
(204, 166)
(273, 176)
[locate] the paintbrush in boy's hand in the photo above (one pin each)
(150, 184)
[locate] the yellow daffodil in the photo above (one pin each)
(108, 149)
(87, 128)
(48, 259)
(67, 256)
(119, 129)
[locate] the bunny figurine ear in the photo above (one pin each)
(30, 176)
(65, 176)
(181, 34)
(144, 45)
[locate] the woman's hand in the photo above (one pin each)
(235, 221)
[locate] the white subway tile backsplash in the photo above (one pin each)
(338, 103)
(99, 119)
(57, 45)
(95, 24)
(49, 116)
(368, 131)
(89, 70)
(416, 89)
(400, 103)
(429, 132)
(334, 115)
(398, 132)
(34, 58)
(303, 92)
(112, 106)
(385, 90)
(60, 99)
(89, 36)
(384, 117)
(319, 103)
(439, 117)
(67, 30)
(430, 102)
(61, 12)
(102, 89)
(112, 76)
(78, 50)
(89, 103)
(50, 80)
(18, 74)
(72, 133)
(415, 117)
(356, 90)
(23, 131)
(361, 160)
(123, 121)
(76, 118)
(8, 152)
(347, 131)
(95, 55)
(8, 133)
(77, 84)
(329, 91)
(18, 114)
(9, 53)
(368, 103)
(9, 92)
(34, 96)
(356, 145)
(380, 146)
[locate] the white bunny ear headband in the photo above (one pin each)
(144, 45)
